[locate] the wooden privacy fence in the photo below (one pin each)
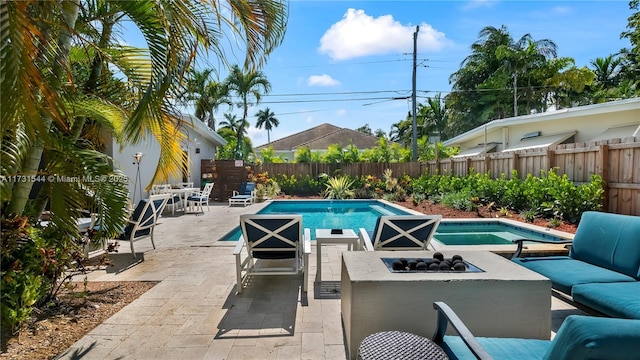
(617, 161)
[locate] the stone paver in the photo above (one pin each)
(195, 313)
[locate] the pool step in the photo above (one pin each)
(382, 210)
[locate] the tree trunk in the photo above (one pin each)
(21, 190)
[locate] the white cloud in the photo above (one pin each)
(341, 112)
(561, 10)
(474, 4)
(322, 80)
(359, 34)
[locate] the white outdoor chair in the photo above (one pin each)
(270, 238)
(201, 198)
(144, 219)
(245, 196)
(401, 232)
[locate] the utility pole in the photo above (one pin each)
(413, 97)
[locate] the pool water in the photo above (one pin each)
(328, 214)
(485, 233)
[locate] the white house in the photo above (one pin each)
(200, 145)
(615, 119)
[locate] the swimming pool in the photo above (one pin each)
(329, 214)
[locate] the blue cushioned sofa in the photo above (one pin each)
(602, 270)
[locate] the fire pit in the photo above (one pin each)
(437, 263)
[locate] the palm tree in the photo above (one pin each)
(521, 56)
(434, 116)
(607, 71)
(267, 119)
(42, 111)
(208, 95)
(247, 85)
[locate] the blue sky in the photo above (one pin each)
(342, 62)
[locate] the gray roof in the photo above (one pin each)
(320, 137)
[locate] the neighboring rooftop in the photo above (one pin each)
(320, 137)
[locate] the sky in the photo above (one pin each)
(350, 63)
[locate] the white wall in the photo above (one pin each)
(124, 159)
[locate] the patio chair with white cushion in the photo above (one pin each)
(271, 242)
(201, 198)
(245, 196)
(401, 232)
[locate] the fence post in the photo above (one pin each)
(604, 173)
(515, 158)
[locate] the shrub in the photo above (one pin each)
(339, 188)
(304, 186)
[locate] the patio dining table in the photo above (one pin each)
(183, 193)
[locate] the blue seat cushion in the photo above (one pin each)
(591, 337)
(241, 197)
(565, 272)
(498, 348)
(175, 199)
(197, 198)
(614, 299)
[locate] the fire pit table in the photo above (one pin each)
(494, 296)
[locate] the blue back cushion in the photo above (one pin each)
(590, 337)
(405, 224)
(146, 220)
(611, 241)
(291, 233)
(243, 188)
(247, 188)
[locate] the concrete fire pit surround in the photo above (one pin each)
(506, 300)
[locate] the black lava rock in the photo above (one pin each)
(397, 265)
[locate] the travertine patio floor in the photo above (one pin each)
(195, 313)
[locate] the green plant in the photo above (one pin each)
(459, 200)
(504, 212)
(22, 281)
(417, 198)
(339, 188)
(529, 215)
(554, 222)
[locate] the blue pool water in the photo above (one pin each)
(328, 214)
(485, 233)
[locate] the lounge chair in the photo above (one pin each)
(272, 239)
(245, 195)
(201, 198)
(144, 219)
(579, 337)
(401, 232)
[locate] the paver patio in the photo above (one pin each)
(195, 313)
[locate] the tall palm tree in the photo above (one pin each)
(208, 95)
(267, 119)
(44, 112)
(249, 86)
(522, 55)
